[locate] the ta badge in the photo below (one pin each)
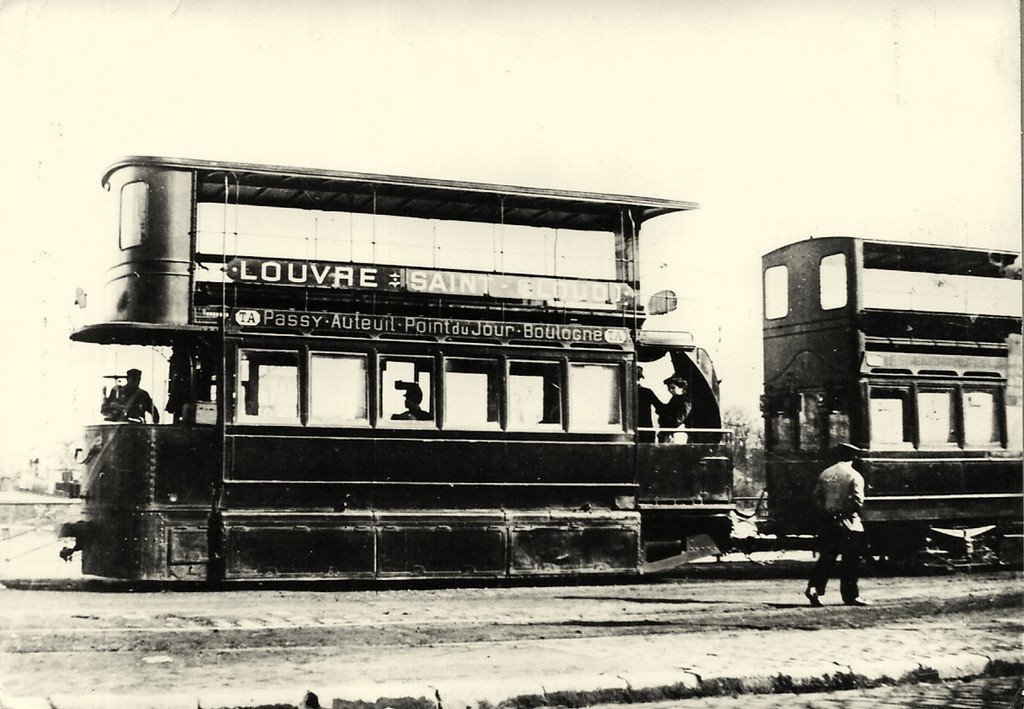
(247, 318)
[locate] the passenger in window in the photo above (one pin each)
(179, 384)
(413, 399)
(648, 405)
(129, 401)
(677, 410)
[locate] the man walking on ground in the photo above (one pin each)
(839, 497)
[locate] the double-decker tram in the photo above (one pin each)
(912, 353)
(383, 377)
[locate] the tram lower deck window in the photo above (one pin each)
(406, 389)
(269, 383)
(980, 418)
(534, 394)
(935, 418)
(890, 417)
(471, 393)
(337, 388)
(595, 397)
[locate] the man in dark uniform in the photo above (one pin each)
(129, 401)
(413, 399)
(839, 498)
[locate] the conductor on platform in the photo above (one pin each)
(839, 498)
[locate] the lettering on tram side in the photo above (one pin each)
(326, 274)
(325, 323)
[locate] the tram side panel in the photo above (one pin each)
(303, 506)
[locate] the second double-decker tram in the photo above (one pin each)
(384, 377)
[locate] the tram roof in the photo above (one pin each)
(332, 190)
(920, 256)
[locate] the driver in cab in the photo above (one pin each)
(129, 402)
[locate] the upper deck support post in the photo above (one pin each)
(626, 249)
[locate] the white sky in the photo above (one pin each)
(782, 118)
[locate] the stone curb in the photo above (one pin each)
(494, 691)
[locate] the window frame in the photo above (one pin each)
(955, 425)
(784, 270)
(620, 380)
(560, 364)
(142, 205)
(384, 420)
(240, 417)
(999, 422)
(499, 393)
(311, 421)
(845, 285)
(909, 416)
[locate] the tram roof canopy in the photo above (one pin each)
(331, 190)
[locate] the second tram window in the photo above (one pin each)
(936, 425)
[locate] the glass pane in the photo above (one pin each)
(889, 418)
(810, 420)
(134, 207)
(980, 418)
(534, 394)
(405, 389)
(832, 281)
(935, 417)
(269, 384)
(595, 400)
(337, 387)
(776, 292)
(471, 393)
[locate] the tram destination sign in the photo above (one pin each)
(403, 279)
(327, 323)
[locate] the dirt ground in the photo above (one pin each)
(68, 636)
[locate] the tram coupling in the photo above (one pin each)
(970, 547)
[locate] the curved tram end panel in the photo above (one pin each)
(146, 503)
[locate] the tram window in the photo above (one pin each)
(935, 417)
(134, 214)
(595, 397)
(832, 282)
(406, 391)
(471, 393)
(270, 386)
(776, 292)
(811, 420)
(980, 423)
(337, 388)
(890, 423)
(534, 394)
